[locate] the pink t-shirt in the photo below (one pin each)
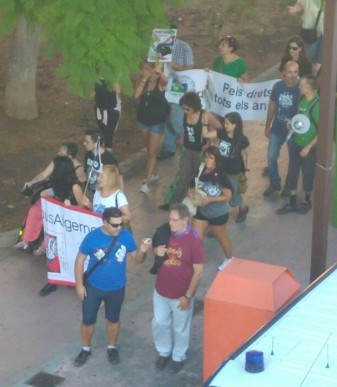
(174, 276)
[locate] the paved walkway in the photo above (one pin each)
(42, 334)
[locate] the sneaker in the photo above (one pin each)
(286, 209)
(154, 178)
(164, 207)
(164, 154)
(285, 192)
(144, 188)
(22, 245)
(243, 211)
(225, 263)
(304, 208)
(271, 190)
(81, 358)
(175, 366)
(113, 356)
(161, 362)
(47, 289)
(265, 172)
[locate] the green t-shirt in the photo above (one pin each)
(234, 69)
(303, 108)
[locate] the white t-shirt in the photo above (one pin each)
(117, 199)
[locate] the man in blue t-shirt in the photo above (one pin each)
(282, 107)
(106, 281)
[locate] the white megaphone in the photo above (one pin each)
(299, 124)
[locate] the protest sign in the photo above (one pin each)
(64, 229)
(161, 45)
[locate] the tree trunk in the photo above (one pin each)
(20, 94)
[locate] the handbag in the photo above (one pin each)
(126, 225)
(189, 203)
(87, 273)
(309, 35)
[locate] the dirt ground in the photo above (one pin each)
(27, 146)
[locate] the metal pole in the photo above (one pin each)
(323, 178)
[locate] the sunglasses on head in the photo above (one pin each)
(293, 48)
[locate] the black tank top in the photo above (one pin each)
(192, 134)
(152, 107)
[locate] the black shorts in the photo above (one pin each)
(113, 301)
(218, 221)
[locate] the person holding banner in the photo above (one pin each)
(107, 279)
(282, 107)
(151, 114)
(228, 62)
(67, 189)
(195, 118)
(182, 60)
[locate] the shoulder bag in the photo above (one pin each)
(309, 35)
(87, 273)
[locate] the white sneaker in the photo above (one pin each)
(225, 263)
(144, 188)
(154, 178)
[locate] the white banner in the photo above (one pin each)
(64, 230)
(225, 94)
(222, 94)
(180, 82)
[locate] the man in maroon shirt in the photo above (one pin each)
(176, 283)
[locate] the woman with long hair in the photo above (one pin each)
(109, 194)
(233, 146)
(151, 114)
(295, 51)
(66, 188)
(214, 212)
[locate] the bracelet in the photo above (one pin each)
(187, 297)
(205, 124)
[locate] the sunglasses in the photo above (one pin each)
(115, 225)
(293, 48)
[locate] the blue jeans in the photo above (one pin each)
(274, 147)
(165, 310)
(174, 128)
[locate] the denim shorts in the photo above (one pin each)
(157, 128)
(113, 301)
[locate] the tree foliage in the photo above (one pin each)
(95, 37)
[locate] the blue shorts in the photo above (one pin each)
(157, 128)
(113, 301)
(218, 221)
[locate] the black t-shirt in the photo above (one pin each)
(231, 152)
(107, 158)
(212, 183)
